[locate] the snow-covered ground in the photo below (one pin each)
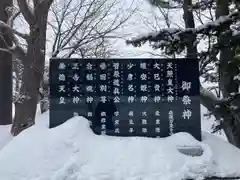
(72, 152)
(5, 136)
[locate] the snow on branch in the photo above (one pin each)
(204, 4)
(211, 28)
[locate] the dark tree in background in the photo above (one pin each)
(219, 61)
(5, 67)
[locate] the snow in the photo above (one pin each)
(5, 135)
(71, 151)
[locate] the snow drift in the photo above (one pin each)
(72, 152)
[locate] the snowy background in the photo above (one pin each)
(72, 152)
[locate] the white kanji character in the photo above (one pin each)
(157, 129)
(89, 77)
(89, 88)
(116, 99)
(116, 122)
(103, 88)
(130, 113)
(103, 66)
(143, 87)
(157, 121)
(61, 77)
(143, 77)
(131, 130)
(116, 74)
(186, 100)
(156, 66)
(157, 76)
(116, 113)
(130, 65)
(157, 87)
(144, 99)
(75, 100)
(116, 65)
(130, 87)
(75, 66)
(170, 98)
(144, 113)
(103, 113)
(144, 121)
(103, 77)
(170, 82)
(89, 66)
(103, 120)
(157, 99)
(90, 123)
(116, 82)
(143, 65)
(116, 91)
(131, 122)
(170, 90)
(117, 130)
(103, 99)
(187, 114)
(170, 113)
(61, 66)
(131, 99)
(157, 113)
(170, 74)
(62, 100)
(89, 114)
(144, 130)
(169, 65)
(89, 99)
(186, 85)
(76, 77)
(75, 88)
(75, 114)
(62, 88)
(130, 77)
(103, 126)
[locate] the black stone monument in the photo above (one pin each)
(127, 97)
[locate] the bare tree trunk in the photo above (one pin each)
(5, 68)
(227, 71)
(34, 62)
(189, 23)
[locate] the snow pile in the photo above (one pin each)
(5, 135)
(72, 152)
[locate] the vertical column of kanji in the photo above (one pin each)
(89, 86)
(62, 85)
(103, 90)
(186, 100)
(130, 93)
(75, 89)
(158, 92)
(116, 92)
(144, 88)
(170, 74)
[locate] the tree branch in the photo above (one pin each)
(13, 31)
(26, 12)
(204, 29)
(5, 50)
